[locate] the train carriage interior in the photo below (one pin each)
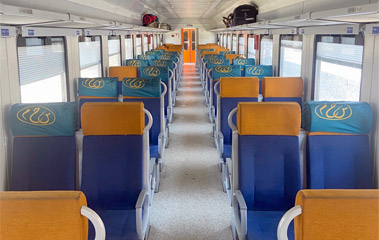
(189, 120)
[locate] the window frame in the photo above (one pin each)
(318, 37)
(115, 37)
(101, 51)
(269, 36)
(239, 44)
(248, 46)
(65, 82)
(293, 36)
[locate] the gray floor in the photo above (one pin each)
(190, 204)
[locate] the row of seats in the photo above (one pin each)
(150, 91)
(231, 90)
(112, 163)
(266, 171)
(115, 171)
(267, 159)
(339, 214)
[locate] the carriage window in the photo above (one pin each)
(250, 46)
(138, 44)
(290, 55)
(224, 41)
(129, 47)
(42, 69)
(338, 71)
(90, 56)
(241, 45)
(229, 46)
(150, 42)
(266, 50)
(145, 43)
(114, 51)
(234, 42)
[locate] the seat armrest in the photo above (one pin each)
(142, 213)
(96, 222)
(161, 143)
(240, 217)
(286, 220)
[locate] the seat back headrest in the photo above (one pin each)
(285, 87)
(239, 87)
(153, 72)
(43, 215)
(141, 87)
(338, 214)
(163, 63)
(98, 87)
(44, 119)
(243, 61)
(207, 52)
(123, 72)
(268, 118)
(259, 71)
(226, 71)
(227, 52)
(118, 118)
(337, 117)
(168, 57)
(137, 63)
(146, 57)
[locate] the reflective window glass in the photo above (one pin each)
(290, 55)
(114, 51)
(266, 50)
(250, 46)
(338, 70)
(42, 69)
(90, 56)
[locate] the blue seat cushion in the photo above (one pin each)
(269, 171)
(339, 162)
(119, 224)
(262, 225)
(43, 163)
(227, 151)
(154, 152)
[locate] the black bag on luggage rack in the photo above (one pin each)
(245, 14)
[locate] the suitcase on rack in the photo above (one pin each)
(245, 14)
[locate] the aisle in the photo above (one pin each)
(190, 204)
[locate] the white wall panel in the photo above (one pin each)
(9, 94)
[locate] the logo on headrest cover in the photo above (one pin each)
(333, 111)
(160, 63)
(134, 62)
(255, 70)
(240, 61)
(223, 69)
(135, 83)
(144, 57)
(36, 115)
(93, 83)
(165, 57)
(152, 71)
(216, 60)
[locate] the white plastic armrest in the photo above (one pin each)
(96, 221)
(161, 138)
(241, 223)
(286, 220)
(142, 220)
(221, 142)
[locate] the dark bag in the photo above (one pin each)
(245, 14)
